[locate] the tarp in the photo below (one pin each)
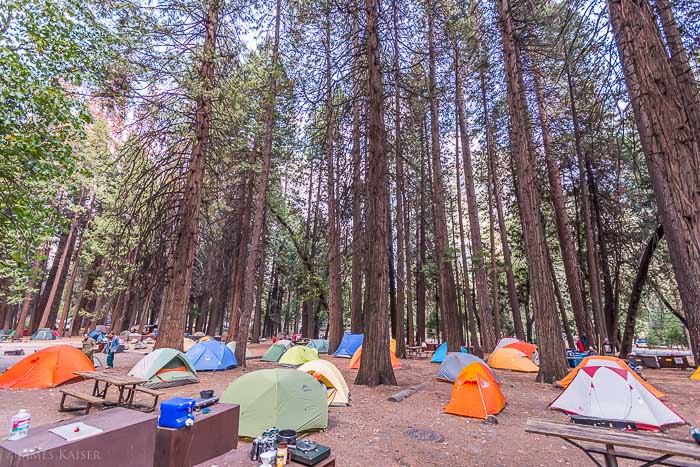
(476, 393)
(349, 345)
(43, 334)
(453, 365)
(357, 357)
(298, 355)
(441, 352)
(46, 368)
(331, 377)
(211, 356)
(165, 368)
(511, 359)
(232, 347)
(96, 335)
(279, 397)
(321, 345)
(604, 360)
(613, 393)
(274, 353)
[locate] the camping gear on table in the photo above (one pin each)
(287, 436)
(357, 357)
(476, 393)
(614, 394)
(177, 412)
(321, 345)
(441, 353)
(349, 345)
(298, 355)
(278, 397)
(211, 356)
(332, 378)
(309, 452)
(454, 363)
(165, 368)
(612, 362)
(46, 368)
(511, 359)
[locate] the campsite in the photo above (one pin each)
(353, 233)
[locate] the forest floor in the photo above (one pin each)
(372, 431)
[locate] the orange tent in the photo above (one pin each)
(355, 360)
(525, 347)
(604, 360)
(476, 393)
(46, 368)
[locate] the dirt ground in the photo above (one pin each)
(372, 431)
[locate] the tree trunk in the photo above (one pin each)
(488, 335)
(421, 241)
(408, 274)
(59, 275)
(28, 295)
(453, 325)
(375, 363)
(591, 250)
(69, 292)
(552, 362)
(256, 245)
(335, 295)
(670, 142)
(177, 293)
(636, 290)
(566, 242)
(400, 218)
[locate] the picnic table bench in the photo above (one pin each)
(605, 441)
(87, 398)
(127, 387)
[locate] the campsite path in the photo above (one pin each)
(371, 432)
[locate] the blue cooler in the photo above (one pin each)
(175, 413)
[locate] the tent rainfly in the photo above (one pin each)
(165, 368)
(332, 378)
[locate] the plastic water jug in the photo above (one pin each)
(20, 425)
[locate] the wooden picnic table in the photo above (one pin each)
(661, 447)
(123, 383)
(414, 351)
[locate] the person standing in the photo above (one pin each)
(88, 346)
(112, 348)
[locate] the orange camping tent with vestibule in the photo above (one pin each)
(47, 368)
(357, 356)
(476, 393)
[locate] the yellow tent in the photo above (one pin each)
(696, 375)
(611, 362)
(187, 343)
(332, 378)
(298, 355)
(395, 363)
(511, 359)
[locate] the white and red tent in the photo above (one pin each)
(614, 394)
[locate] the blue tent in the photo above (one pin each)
(211, 356)
(97, 335)
(441, 352)
(349, 344)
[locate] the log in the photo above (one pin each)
(406, 393)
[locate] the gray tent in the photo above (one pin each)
(321, 345)
(454, 363)
(43, 334)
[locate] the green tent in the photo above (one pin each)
(283, 398)
(298, 356)
(274, 353)
(165, 368)
(319, 344)
(232, 346)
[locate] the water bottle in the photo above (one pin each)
(20, 425)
